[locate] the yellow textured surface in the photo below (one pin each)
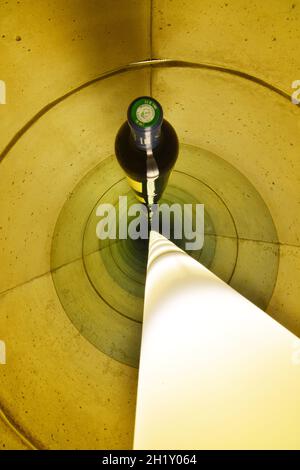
(9, 438)
(232, 366)
(47, 50)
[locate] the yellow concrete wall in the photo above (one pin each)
(49, 48)
(229, 394)
(247, 124)
(255, 37)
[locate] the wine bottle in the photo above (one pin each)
(146, 148)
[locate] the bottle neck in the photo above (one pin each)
(146, 139)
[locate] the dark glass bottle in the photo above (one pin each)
(146, 147)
